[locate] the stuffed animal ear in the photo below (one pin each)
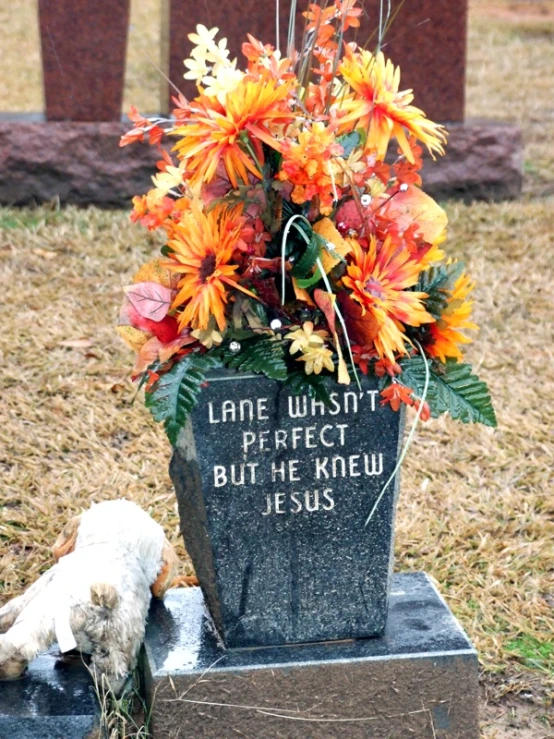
(65, 543)
(167, 572)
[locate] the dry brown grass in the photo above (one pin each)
(509, 76)
(476, 509)
(68, 433)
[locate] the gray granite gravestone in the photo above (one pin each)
(54, 699)
(274, 491)
(420, 679)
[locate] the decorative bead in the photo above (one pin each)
(366, 200)
(234, 347)
(275, 324)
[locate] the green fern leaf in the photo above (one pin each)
(313, 385)
(260, 354)
(435, 281)
(175, 394)
(453, 389)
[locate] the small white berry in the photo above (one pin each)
(366, 200)
(234, 347)
(403, 187)
(275, 324)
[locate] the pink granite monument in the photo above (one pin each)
(83, 57)
(74, 155)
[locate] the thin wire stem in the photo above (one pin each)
(410, 436)
(277, 25)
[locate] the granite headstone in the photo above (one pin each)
(274, 491)
(427, 38)
(54, 699)
(234, 22)
(419, 680)
(83, 58)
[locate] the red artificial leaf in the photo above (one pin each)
(382, 171)
(362, 327)
(395, 395)
(147, 354)
(139, 120)
(164, 162)
(153, 377)
(155, 135)
(165, 330)
(325, 302)
(176, 345)
(268, 292)
(182, 107)
(407, 173)
(425, 411)
(136, 134)
(150, 299)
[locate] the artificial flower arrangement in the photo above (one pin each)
(295, 248)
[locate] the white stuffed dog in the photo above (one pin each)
(110, 560)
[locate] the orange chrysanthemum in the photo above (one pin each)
(379, 280)
(203, 245)
(215, 133)
(378, 106)
(445, 335)
(307, 164)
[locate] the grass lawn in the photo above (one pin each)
(476, 509)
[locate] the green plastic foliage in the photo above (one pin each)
(453, 389)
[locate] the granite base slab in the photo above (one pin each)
(54, 699)
(420, 679)
(82, 163)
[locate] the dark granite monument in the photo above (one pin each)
(274, 491)
(417, 680)
(54, 699)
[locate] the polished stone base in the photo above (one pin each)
(420, 679)
(82, 163)
(55, 699)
